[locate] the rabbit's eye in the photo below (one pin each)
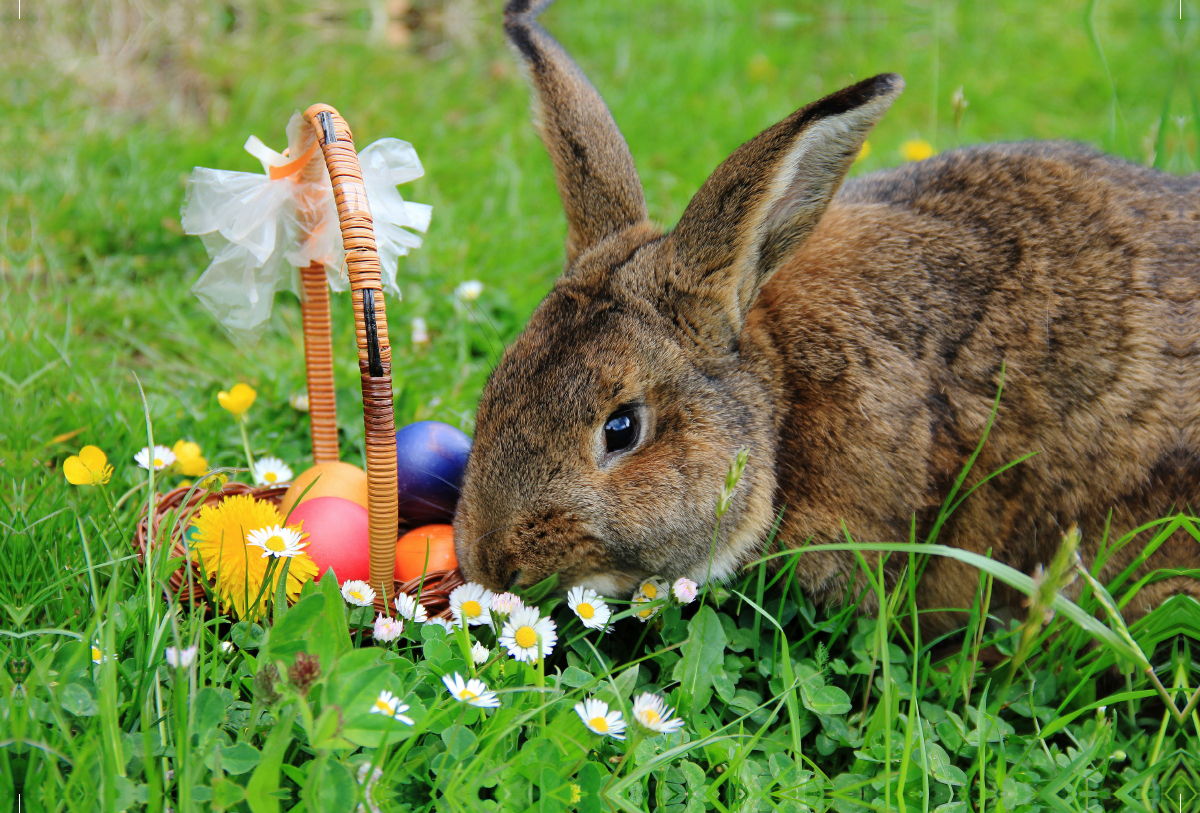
(620, 430)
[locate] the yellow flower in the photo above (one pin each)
(238, 399)
(576, 794)
(916, 150)
(187, 456)
(216, 482)
(89, 468)
(864, 152)
(238, 569)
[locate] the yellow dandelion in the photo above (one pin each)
(916, 150)
(88, 468)
(237, 400)
(189, 459)
(237, 568)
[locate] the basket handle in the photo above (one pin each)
(374, 350)
(318, 364)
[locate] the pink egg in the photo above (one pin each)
(338, 536)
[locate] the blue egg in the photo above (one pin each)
(431, 458)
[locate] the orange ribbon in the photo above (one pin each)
(295, 166)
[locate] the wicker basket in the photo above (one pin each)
(375, 368)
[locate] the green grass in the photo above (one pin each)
(105, 113)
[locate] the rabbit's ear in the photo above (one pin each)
(761, 204)
(593, 167)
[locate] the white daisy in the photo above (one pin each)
(469, 291)
(684, 590)
(387, 629)
(358, 593)
(227, 647)
(408, 608)
(470, 603)
(651, 711)
(159, 457)
(181, 658)
(526, 632)
(98, 655)
(277, 541)
(589, 606)
(473, 691)
(598, 718)
(271, 471)
(389, 705)
(480, 654)
(652, 588)
(645, 613)
(506, 603)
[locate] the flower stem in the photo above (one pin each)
(541, 684)
(112, 509)
(241, 422)
(464, 645)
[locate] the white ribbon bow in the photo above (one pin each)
(252, 226)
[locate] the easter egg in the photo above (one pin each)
(335, 479)
(437, 540)
(430, 460)
(337, 536)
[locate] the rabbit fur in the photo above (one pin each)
(852, 338)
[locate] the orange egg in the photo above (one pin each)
(411, 549)
(337, 479)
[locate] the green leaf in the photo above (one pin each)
(437, 653)
(335, 612)
(78, 701)
(356, 691)
(702, 657)
(576, 678)
(239, 758)
(620, 688)
(535, 756)
(291, 630)
(264, 782)
(226, 794)
(246, 635)
(209, 711)
(1017, 794)
(325, 730)
(591, 779)
(279, 604)
(693, 775)
(940, 767)
(460, 741)
(372, 730)
(827, 700)
(335, 788)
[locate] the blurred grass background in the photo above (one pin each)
(108, 105)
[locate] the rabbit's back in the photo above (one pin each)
(1076, 271)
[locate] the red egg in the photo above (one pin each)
(436, 541)
(338, 536)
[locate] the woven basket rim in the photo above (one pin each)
(434, 589)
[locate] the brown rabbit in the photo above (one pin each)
(852, 339)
